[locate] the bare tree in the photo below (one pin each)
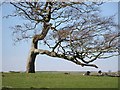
(73, 31)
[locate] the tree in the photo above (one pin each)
(73, 31)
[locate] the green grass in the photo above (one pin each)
(57, 80)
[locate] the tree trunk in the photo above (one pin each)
(31, 62)
(31, 59)
(32, 54)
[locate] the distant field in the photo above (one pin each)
(57, 80)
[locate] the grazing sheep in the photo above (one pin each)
(87, 73)
(100, 73)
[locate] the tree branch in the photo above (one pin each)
(43, 34)
(69, 58)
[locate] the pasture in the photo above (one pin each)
(57, 80)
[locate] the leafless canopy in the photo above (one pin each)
(76, 31)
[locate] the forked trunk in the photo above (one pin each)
(32, 55)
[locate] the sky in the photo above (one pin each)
(14, 57)
(0, 40)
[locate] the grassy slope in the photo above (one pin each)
(0, 80)
(57, 80)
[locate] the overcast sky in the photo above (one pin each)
(14, 56)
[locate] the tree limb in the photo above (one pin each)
(69, 58)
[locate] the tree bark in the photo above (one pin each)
(31, 59)
(32, 54)
(31, 63)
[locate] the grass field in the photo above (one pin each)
(57, 80)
